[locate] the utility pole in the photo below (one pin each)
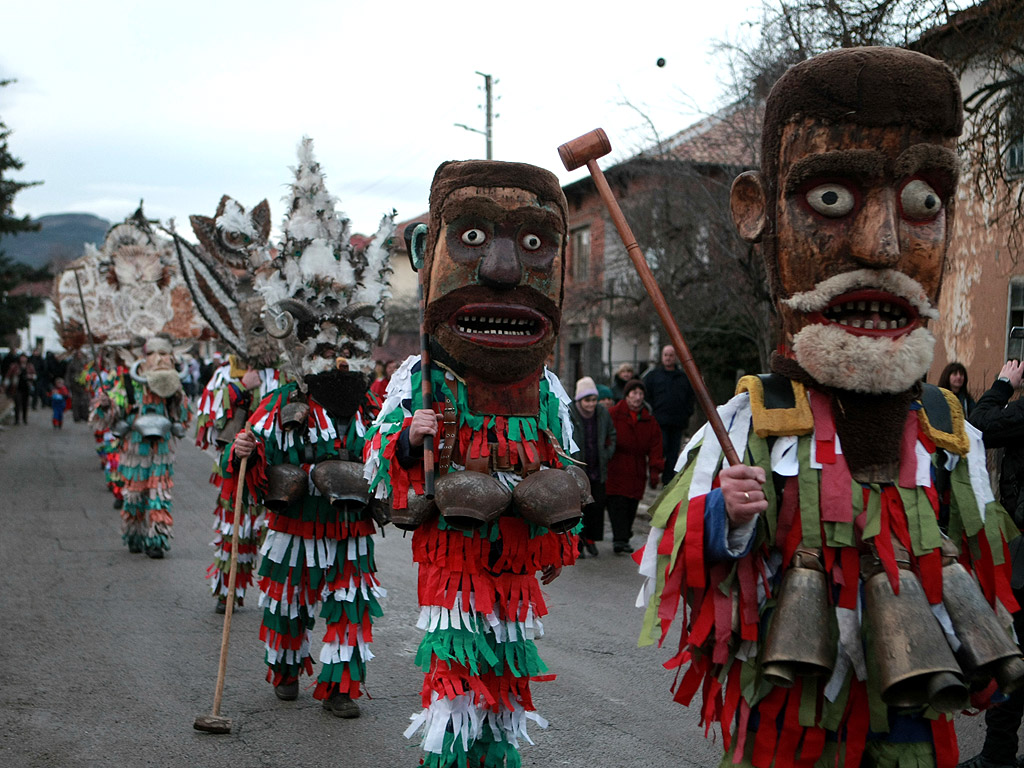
(489, 83)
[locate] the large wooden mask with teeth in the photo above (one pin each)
(854, 208)
(494, 261)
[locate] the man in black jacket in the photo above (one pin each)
(1002, 425)
(671, 398)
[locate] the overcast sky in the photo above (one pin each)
(181, 102)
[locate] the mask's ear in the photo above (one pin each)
(416, 244)
(748, 204)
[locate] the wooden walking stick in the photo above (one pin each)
(213, 722)
(415, 236)
(585, 150)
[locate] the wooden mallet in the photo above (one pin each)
(213, 722)
(585, 150)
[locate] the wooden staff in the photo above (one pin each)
(585, 150)
(428, 396)
(213, 722)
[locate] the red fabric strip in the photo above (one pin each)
(947, 753)
(792, 731)
(836, 498)
(693, 545)
(748, 597)
(723, 614)
(767, 731)
(930, 568)
(732, 700)
(849, 563)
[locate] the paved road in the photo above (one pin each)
(108, 657)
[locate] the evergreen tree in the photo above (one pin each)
(14, 310)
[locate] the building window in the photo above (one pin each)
(581, 254)
(1015, 317)
(1015, 157)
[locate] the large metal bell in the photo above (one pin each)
(914, 661)
(152, 426)
(987, 649)
(286, 484)
(232, 426)
(469, 500)
(586, 497)
(341, 482)
(418, 510)
(294, 416)
(550, 498)
(800, 641)
(120, 428)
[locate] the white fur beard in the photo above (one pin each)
(842, 360)
(163, 383)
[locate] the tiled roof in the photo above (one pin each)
(729, 137)
(40, 289)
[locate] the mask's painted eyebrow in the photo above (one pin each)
(853, 163)
(929, 158)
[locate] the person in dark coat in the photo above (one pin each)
(1002, 425)
(19, 383)
(954, 378)
(637, 456)
(671, 398)
(623, 374)
(594, 433)
(40, 384)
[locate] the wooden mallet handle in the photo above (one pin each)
(585, 150)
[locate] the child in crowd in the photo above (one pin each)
(60, 396)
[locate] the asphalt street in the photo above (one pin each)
(108, 657)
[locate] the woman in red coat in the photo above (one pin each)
(637, 460)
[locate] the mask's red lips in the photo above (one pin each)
(499, 325)
(869, 313)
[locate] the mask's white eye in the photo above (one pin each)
(832, 200)
(919, 201)
(531, 242)
(474, 237)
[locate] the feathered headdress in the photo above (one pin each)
(220, 272)
(130, 287)
(325, 298)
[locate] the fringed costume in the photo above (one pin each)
(722, 591)
(480, 600)
(219, 403)
(315, 553)
(146, 464)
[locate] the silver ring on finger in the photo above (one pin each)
(746, 495)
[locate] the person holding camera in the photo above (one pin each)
(1002, 425)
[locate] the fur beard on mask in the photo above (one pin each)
(339, 392)
(878, 365)
(164, 383)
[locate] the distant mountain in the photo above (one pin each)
(62, 237)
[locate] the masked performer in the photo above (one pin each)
(152, 404)
(220, 274)
(492, 259)
(828, 588)
(108, 435)
(306, 442)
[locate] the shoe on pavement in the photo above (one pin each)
(222, 607)
(134, 547)
(156, 553)
(621, 548)
(288, 690)
(591, 548)
(341, 705)
(980, 761)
